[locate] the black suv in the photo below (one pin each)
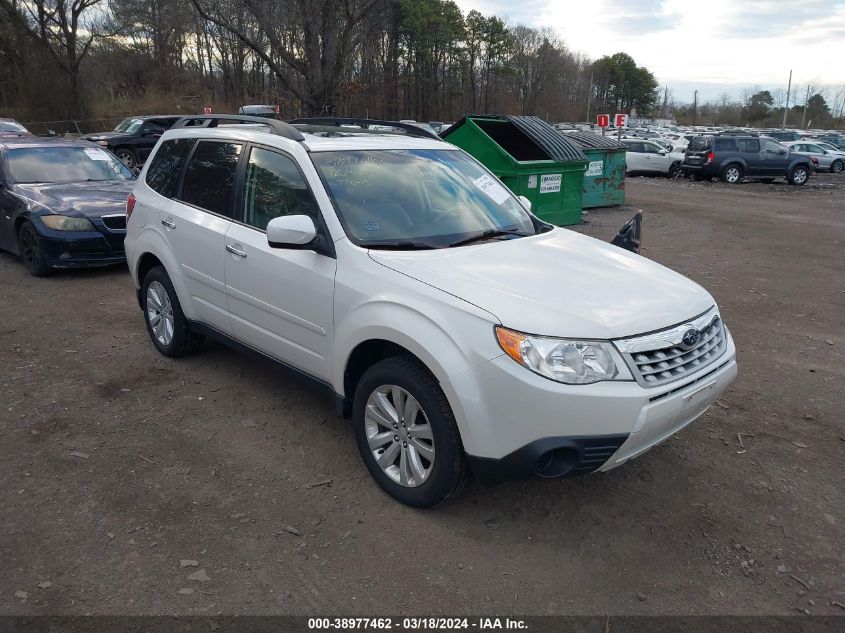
(733, 157)
(134, 138)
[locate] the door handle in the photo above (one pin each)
(235, 251)
(170, 224)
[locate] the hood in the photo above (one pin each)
(92, 199)
(111, 137)
(558, 283)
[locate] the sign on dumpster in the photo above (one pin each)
(594, 168)
(550, 183)
(603, 120)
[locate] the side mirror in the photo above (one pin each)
(525, 202)
(291, 231)
(51, 133)
(662, 152)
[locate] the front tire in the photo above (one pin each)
(166, 323)
(31, 250)
(406, 433)
(732, 174)
(836, 166)
(799, 176)
(127, 157)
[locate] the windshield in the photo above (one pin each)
(64, 164)
(11, 126)
(418, 198)
(129, 126)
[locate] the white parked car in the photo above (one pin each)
(830, 159)
(647, 157)
(456, 329)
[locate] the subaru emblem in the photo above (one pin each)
(690, 338)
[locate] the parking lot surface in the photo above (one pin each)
(133, 483)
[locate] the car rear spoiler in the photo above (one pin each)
(630, 234)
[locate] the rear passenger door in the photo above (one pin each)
(281, 300)
(634, 156)
(196, 222)
(750, 150)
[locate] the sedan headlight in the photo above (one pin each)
(573, 362)
(65, 223)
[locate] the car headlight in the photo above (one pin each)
(103, 143)
(573, 362)
(65, 223)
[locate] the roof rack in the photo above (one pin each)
(409, 128)
(280, 128)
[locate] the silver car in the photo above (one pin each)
(829, 160)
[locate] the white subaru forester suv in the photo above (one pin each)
(458, 331)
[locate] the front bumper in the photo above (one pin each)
(81, 249)
(515, 423)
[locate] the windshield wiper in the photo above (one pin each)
(399, 246)
(484, 235)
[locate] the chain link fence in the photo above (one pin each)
(72, 128)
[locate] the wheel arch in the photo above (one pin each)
(153, 251)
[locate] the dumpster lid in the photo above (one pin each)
(541, 134)
(588, 140)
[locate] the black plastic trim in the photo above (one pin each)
(565, 457)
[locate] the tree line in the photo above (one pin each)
(415, 59)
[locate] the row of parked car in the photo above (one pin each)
(395, 271)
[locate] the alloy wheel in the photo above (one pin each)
(399, 435)
(799, 177)
(29, 249)
(160, 313)
(732, 175)
(126, 158)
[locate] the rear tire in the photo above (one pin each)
(732, 174)
(836, 166)
(799, 176)
(378, 420)
(166, 323)
(31, 250)
(675, 171)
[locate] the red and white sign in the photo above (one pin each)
(276, 108)
(206, 110)
(621, 120)
(603, 120)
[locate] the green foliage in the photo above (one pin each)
(622, 86)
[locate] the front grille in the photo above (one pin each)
(115, 222)
(660, 358)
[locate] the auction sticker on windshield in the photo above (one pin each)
(550, 183)
(96, 154)
(493, 189)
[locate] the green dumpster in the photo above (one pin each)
(530, 157)
(604, 180)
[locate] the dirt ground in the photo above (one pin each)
(124, 472)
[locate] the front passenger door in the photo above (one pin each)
(281, 300)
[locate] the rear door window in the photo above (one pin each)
(209, 179)
(749, 145)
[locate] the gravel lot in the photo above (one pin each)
(124, 473)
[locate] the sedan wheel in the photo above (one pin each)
(836, 167)
(160, 313)
(31, 251)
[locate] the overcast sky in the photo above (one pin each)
(714, 45)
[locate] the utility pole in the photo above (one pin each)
(695, 107)
(804, 113)
(786, 107)
(665, 101)
(590, 97)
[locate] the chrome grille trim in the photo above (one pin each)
(114, 222)
(660, 358)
